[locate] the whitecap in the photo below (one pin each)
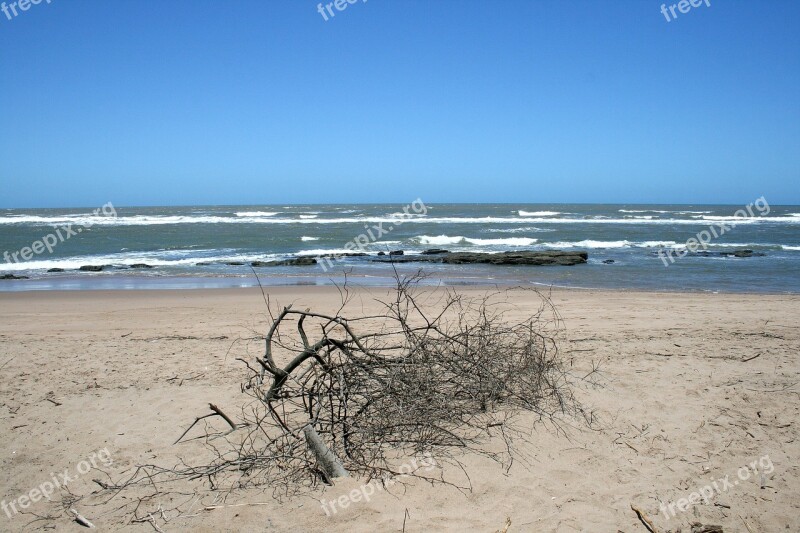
(538, 213)
(256, 213)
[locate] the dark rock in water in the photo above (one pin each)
(141, 265)
(297, 261)
(543, 258)
(55, 270)
(532, 258)
(234, 263)
(381, 253)
(204, 264)
(396, 252)
(707, 253)
(608, 261)
(435, 251)
(744, 253)
(12, 276)
(91, 268)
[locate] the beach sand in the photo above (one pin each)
(677, 406)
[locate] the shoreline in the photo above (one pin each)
(128, 284)
(309, 290)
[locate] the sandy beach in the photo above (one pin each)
(693, 389)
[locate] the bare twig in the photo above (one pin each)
(643, 518)
(81, 520)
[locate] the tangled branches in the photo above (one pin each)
(433, 374)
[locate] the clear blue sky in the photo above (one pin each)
(230, 102)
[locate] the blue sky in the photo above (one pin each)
(247, 102)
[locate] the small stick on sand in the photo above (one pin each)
(505, 528)
(647, 523)
(631, 447)
(216, 412)
(223, 415)
(150, 520)
(81, 520)
(212, 507)
(751, 358)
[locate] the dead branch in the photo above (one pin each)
(433, 376)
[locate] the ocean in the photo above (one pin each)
(623, 243)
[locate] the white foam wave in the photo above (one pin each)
(409, 215)
(646, 211)
(588, 244)
(523, 229)
(443, 240)
(655, 244)
(170, 258)
(661, 211)
(308, 216)
(746, 220)
(790, 248)
(513, 241)
(304, 238)
(538, 213)
(256, 213)
(714, 244)
(439, 240)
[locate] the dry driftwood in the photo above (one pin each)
(81, 520)
(327, 460)
(434, 375)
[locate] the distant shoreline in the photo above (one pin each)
(217, 284)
